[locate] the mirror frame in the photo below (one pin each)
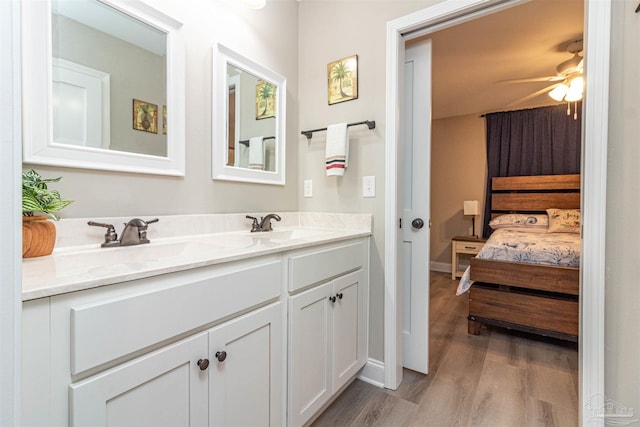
(222, 57)
(38, 145)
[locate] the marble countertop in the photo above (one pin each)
(79, 263)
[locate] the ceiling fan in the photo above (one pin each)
(569, 78)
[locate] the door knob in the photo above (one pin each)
(417, 223)
(203, 364)
(221, 356)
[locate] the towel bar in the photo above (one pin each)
(246, 141)
(371, 124)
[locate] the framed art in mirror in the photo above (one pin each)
(85, 63)
(249, 116)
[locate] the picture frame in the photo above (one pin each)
(265, 100)
(342, 80)
(164, 119)
(145, 116)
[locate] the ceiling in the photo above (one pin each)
(470, 60)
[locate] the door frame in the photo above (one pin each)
(10, 218)
(597, 34)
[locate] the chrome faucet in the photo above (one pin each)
(134, 233)
(264, 224)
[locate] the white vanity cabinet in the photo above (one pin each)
(265, 340)
(208, 379)
(135, 353)
(327, 324)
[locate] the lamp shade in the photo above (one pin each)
(471, 207)
(575, 90)
(559, 92)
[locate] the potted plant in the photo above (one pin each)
(38, 233)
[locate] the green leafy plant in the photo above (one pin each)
(36, 197)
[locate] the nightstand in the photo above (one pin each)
(463, 245)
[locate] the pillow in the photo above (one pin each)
(564, 220)
(519, 221)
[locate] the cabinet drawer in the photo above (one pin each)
(316, 266)
(468, 247)
(108, 329)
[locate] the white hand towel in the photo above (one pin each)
(256, 153)
(337, 150)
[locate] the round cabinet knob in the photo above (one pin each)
(332, 299)
(417, 223)
(339, 295)
(203, 364)
(221, 356)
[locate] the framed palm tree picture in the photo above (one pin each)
(342, 79)
(265, 100)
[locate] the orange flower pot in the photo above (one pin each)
(38, 236)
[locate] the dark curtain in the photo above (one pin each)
(538, 141)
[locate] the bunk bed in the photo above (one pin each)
(535, 298)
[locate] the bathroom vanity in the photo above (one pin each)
(224, 327)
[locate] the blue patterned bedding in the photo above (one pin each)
(534, 247)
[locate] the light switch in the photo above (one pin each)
(368, 186)
(308, 188)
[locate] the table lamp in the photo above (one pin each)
(471, 208)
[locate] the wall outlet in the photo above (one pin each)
(368, 186)
(308, 188)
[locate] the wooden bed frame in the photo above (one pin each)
(540, 299)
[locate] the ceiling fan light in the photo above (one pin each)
(575, 90)
(559, 92)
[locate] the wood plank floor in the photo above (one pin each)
(497, 379)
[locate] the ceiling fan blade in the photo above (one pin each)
(534, 79)
(533, 95)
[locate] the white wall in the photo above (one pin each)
(458, 173)
(332, 30)
(270, 38)
(622, 304)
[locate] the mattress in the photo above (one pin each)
(527, 246)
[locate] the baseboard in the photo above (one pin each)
(373, 373)
(442, 267)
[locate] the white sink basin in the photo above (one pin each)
(286, 236)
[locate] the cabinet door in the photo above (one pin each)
(309, 352)
(247, 371)
(349, 328)
(163, 388)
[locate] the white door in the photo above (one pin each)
(163, 388)
(349, 317)
(245, 372)
(415, 209)
(310, 349)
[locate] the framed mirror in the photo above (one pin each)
(103, 86)
(249, 118)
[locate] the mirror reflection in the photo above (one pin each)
(251, 106)
(109, 79)
(249, 120)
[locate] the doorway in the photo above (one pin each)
(595, 123)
